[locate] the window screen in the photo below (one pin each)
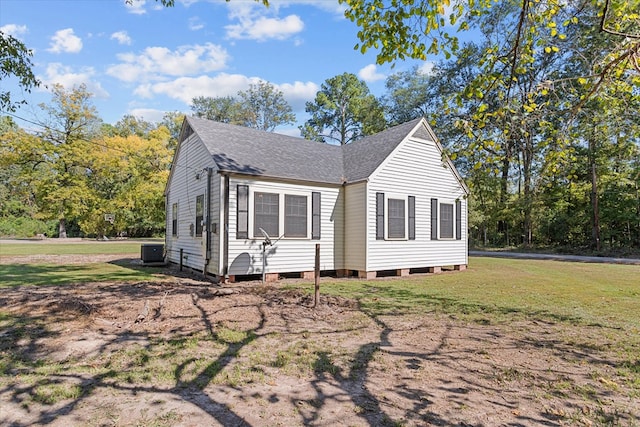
(199, 214)
(295, 216)
(396, 219)
(446, 220)
(266, 209)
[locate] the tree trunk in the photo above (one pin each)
(62, 228)
(594, 205)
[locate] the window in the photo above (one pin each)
(401, 217)
(266, 214)
(396, 219)
(199, 214)
(446, 220)
(295, 216)
(242, 224)
(174, 219)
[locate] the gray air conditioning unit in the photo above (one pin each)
(152, 253)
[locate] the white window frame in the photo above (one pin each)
(405, 199)
(281, 211)
(453, 219)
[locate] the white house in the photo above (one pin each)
(390, 202)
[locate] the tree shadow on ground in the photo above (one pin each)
(202, 350)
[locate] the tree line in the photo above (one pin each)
(539, 111)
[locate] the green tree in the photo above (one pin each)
(15, 61)
(172, 120)
(72, 123)
(224, 109)
(343, 110)
(266, 107)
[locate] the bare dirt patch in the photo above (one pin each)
(188, 352)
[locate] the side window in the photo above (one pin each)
(295, 216)
(396, 221)
(446, 220)
(199, 214)
(266, 214)
(174, 219)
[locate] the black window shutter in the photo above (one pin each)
(434, 219)
(242, 223)
(458, 220)
(315, 215)
(412, 218)
(379, 216)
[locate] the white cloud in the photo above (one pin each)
(427, 68)
(14, 30)
(264, 28)
(328, 6)
(187, 88)
(369, 74)
(299, 93)
(254, 25)
(136, 7)
(156, 62)
(195, 24)
(122, 37)
(65, 76)
(65, 41)
(148, 114)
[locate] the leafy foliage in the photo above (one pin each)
(15, 61)
(344, 110)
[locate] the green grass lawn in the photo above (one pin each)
(43, 273)
(495, 289)
(84, 247)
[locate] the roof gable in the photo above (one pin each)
(242, 150)
(237, 149)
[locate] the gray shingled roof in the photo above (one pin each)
(238, 149)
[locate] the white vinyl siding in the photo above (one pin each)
(188, 179)
(416, 167)
(355, 234)
(289, 254)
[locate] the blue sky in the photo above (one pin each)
(144, 59)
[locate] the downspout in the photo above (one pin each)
(207, 254)
(225, 232)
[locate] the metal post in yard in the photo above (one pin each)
(316, 296)
(181, 252)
